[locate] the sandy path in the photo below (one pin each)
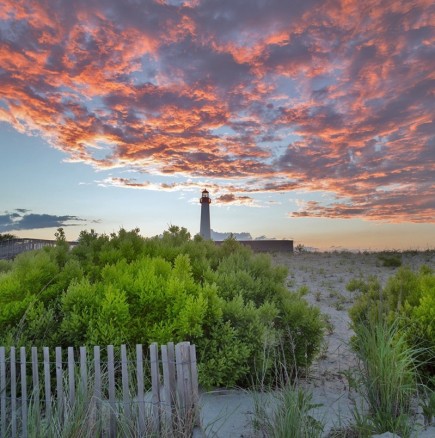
(326, 276)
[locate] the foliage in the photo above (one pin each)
(123, 288)
(390, 259)
(290, 417)
(427, 403)
(5, 266)
(300, 248)
(386, 378)
(6, 236)
(409, 298)
(301, 330)
(368, 304)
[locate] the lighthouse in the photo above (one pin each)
(205, 201)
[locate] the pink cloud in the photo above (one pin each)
(230, 198)
(332, 96)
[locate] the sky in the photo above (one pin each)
(311, 121)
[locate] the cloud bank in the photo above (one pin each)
(328, 96)
(20, 219)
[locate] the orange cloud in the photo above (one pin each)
(332, 96)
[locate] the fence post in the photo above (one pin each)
(2, 392)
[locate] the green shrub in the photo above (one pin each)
(357, 285)
(419, 323)
(390, 259)
(222, 357)
(301, 328)
(303, 290)
(123, 288)
(403, 287)
(408, 298)
(369, 305)
(5, 266)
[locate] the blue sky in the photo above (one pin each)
(308, 121)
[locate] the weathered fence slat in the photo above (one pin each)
(168, 390)
(71, 377)
(112, 396)
(187, 377)
(180, 381)
(140, 389)
(186, 380)
(47, 383)
(171, 370)
(59, 383)
(13, 393)
(125, 389)
(36, 390)
(2, 392)
(195, 392)
(21, 389)
(155, 384)
(83, 373)
(97, 385)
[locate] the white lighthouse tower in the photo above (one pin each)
(205, 201)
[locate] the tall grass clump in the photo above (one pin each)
(287, 415)
(285, 409)
(386, 378)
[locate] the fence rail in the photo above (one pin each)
(45, 387)
(12, 247)
(9, 249)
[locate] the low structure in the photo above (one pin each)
(9, 249)
(267, 245)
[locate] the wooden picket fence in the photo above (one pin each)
(113, 390)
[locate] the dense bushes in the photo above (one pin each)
(123, 288)
(408, 298)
